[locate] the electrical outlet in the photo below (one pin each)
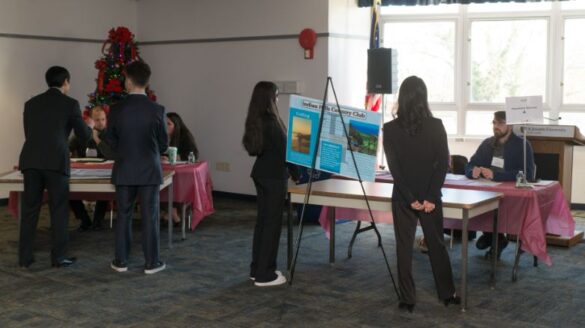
(222, 166)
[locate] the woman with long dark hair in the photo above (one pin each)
(180, 136)
(265, 138)
(418, 156)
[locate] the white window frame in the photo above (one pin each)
(555, 18)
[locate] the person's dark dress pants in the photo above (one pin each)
(405, 221)
(149, 212)
(271, 194)
(57, 185)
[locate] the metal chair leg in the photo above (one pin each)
(111, 214)
(183, 211)
(517, 259)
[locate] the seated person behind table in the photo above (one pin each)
(500, 158)
(95, 147)
(180, 137)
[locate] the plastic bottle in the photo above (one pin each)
(191, 157)
(519, 178)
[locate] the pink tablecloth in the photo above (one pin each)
(529, 213)
(191, 184)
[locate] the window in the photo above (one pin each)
(474, 56)
(574, 4)
(434, 62)
(508, 58)
(574, 62)
(508, 7)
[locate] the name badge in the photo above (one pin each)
(90, 152)
(498, 162)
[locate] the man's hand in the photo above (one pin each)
(476, 172)
(95, 135)
(487, 173)
(164, 159)
(428, 207)
(417, 206)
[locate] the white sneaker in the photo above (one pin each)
(157, 267)
(280, 279)
(278, 273)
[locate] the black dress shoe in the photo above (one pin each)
(84, 227)
(97, 226)
(406, 306)
(452, 300)
(26, 264)
(63, 263)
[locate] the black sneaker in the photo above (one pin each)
(157, 267)
(119, 266)
(484, 241)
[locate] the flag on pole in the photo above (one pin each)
(374, 100)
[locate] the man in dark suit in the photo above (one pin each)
(44, 163)
(137, 134)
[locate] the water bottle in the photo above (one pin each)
(519, 178)
(191, 158)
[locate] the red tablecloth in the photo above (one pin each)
(529, 213)
(191, 184)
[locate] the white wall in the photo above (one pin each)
(23, 62)
(210, 84)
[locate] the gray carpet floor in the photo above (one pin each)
(206, 283)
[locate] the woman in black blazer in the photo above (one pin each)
(265, 138)
(418, 156)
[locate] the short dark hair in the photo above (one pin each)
(56, 76)
(500, 115)
(139, 73)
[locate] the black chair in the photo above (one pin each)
(457, 166)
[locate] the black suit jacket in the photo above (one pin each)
(418, 163)
(137, 134)
(48, 121)
(271, 163)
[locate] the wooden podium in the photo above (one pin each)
(553, 152)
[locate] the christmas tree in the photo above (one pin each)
(119, 50)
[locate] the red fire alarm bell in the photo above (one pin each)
(307, 40)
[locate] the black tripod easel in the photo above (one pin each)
(310, 183)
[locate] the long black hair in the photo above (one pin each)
(261, 111)
(181, 136)
(413, 105)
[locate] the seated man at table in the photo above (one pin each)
(500, 158)
(94, 147)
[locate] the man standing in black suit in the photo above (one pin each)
(44, 163)
(137, 134)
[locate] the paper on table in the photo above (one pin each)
(542, 183)
(455, 177)
(91, 173)
(88, 160)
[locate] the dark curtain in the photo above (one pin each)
(368, 3)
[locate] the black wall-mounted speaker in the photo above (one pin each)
(382, 77)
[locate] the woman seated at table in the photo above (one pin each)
(182, 138)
